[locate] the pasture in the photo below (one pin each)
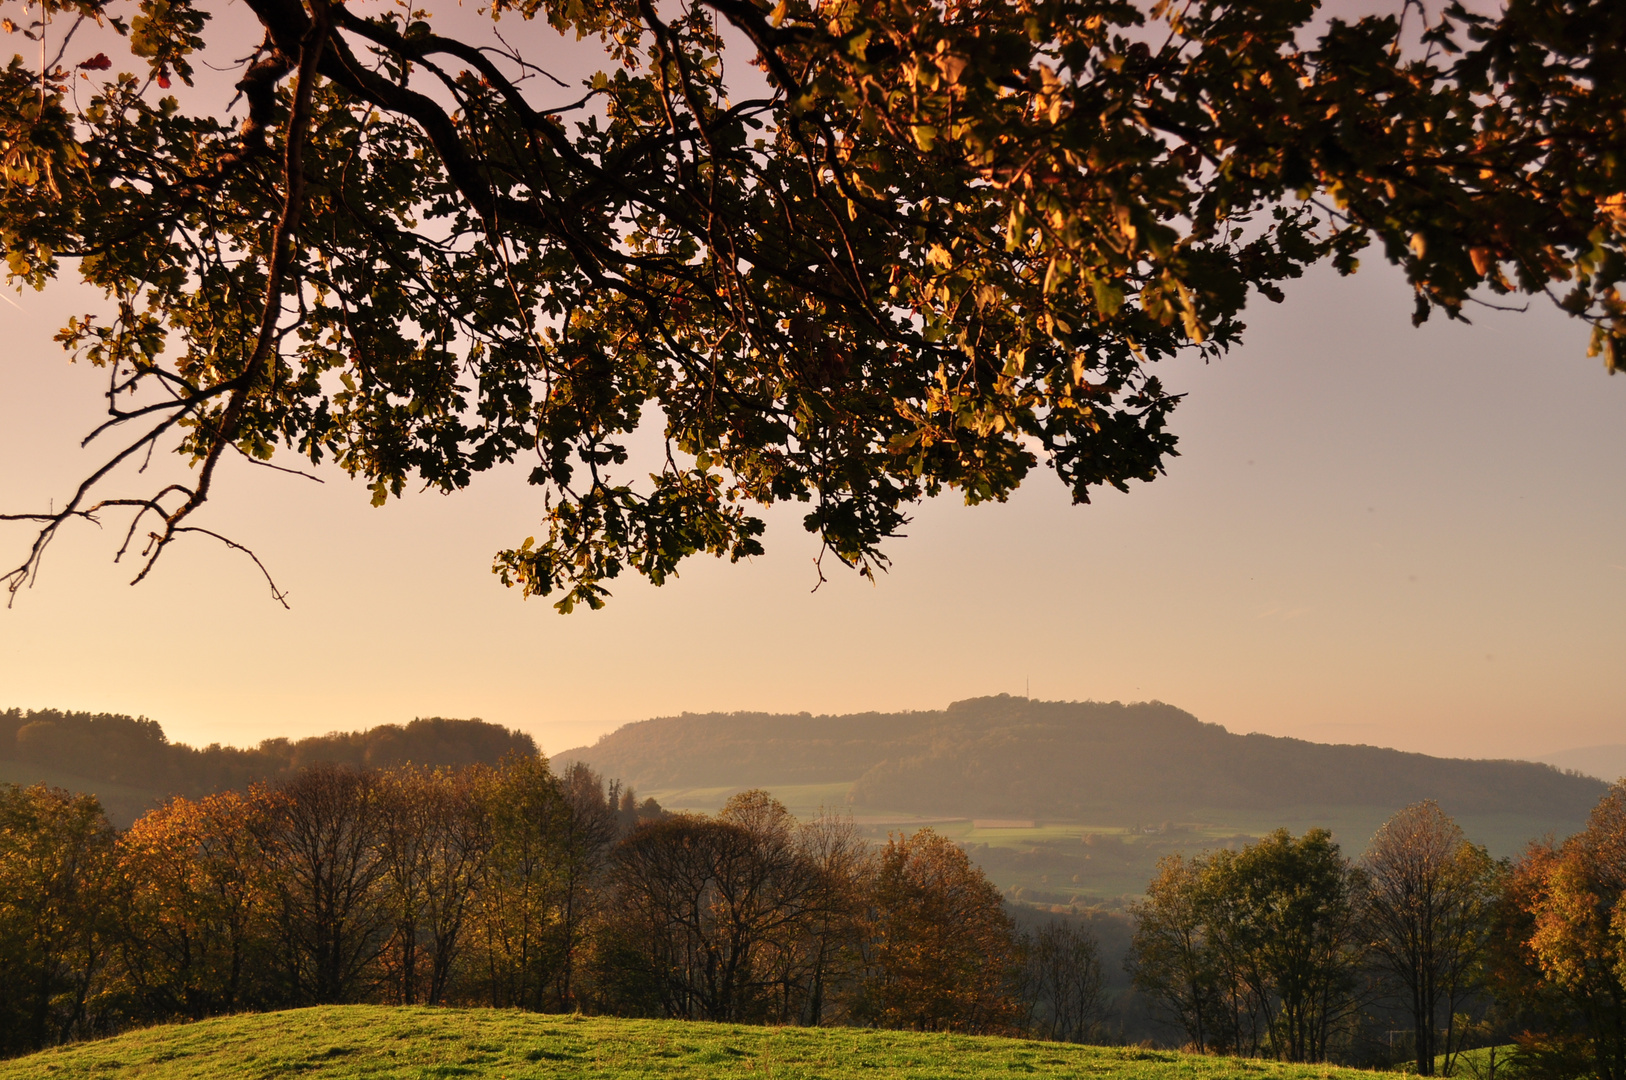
(361, 1042)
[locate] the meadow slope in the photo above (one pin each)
(357, 1041)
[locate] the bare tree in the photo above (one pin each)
(333, 921)
(826, 958)
(666, 876)
(405, 810)
(461, 847)
(587, 831)
(808, 902)
(434, 842)
(1426, 901)
(723, 907)
(1061, 982)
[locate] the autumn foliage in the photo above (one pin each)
(1567, 913)
(515, 887)
(938, 944)
(923, 246)
(504, 886)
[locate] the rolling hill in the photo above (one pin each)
(1072, 804)
(1006, 757)
(385, 1043)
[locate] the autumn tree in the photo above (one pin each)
(506, 886)
(1573, 899)
(548, 846)
(939, 949)
(1174, 960)
(56, 887)
(1257, 950)
(844, 256)
(1427, 899)
(196, 905)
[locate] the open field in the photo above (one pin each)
(382, 1043)
(803, 800)
(1090, 863)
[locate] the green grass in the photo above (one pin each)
(1476, 1064)
(427, 1044)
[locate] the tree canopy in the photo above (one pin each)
(841, 252)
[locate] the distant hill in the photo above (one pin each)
(131, 765)
(1097, 761)
(1604, 762)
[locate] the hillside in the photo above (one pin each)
(1008, 757)
(131, 765)
(382, 1043)
(1072, 804)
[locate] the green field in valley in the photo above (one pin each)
(1106, 863)
(358, 1041)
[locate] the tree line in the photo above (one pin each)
(505, 886)
(1287, 948)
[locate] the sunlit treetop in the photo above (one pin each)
(845, 253)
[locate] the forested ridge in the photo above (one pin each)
(132, 764)
(1010, 755)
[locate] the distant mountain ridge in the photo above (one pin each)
(1008, 756)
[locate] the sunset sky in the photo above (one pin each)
(1377, 534)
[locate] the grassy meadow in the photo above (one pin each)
(360, 1041)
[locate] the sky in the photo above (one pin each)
(1375, 533)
